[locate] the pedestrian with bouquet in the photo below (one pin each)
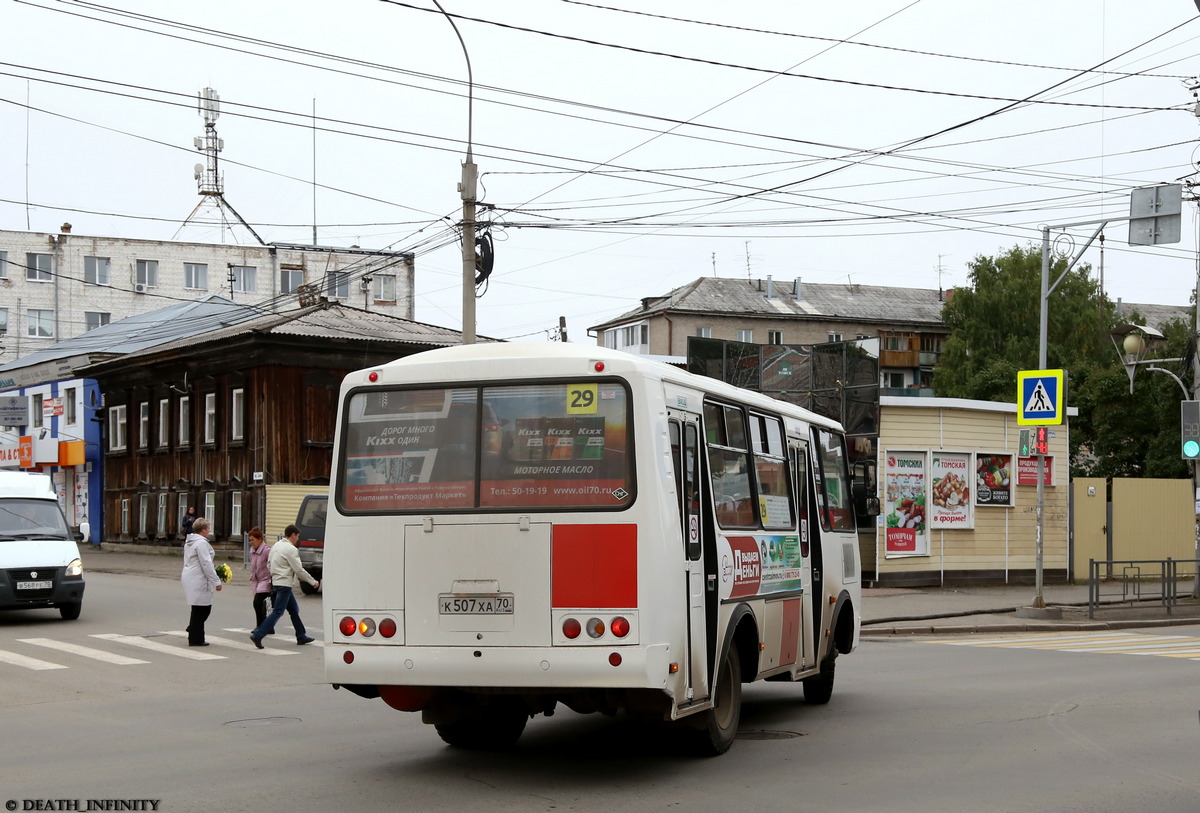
(199, 579)
(286, 574)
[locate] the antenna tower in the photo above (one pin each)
(209, 181)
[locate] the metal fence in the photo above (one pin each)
(1133, 583)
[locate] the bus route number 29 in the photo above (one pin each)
(484, 604)
(581, 399)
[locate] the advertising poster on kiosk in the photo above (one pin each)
(950, 491)
(904, 488)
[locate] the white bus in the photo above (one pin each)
(517, 526)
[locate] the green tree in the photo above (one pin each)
(994, 326)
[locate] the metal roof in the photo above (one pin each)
(795, 299)
(144, 330)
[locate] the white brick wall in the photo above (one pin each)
(69, 298)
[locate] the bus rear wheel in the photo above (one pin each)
(492, 728)
(716, 728)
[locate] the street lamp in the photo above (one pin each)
(1133, 344)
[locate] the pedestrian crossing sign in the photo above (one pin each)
(1040, 397)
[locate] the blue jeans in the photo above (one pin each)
(282, 600)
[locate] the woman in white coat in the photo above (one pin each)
(199, 578)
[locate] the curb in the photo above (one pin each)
(967, 629)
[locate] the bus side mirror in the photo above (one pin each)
(866, 501)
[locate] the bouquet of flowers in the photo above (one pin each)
(224, 573)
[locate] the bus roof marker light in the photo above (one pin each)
(373, 376)
(599, 367)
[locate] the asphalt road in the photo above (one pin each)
(978, 723)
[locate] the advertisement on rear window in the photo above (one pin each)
(950, 491)
(544, 445)
(904, 504)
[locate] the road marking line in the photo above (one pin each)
(247, 630)
(14, 659)
(248, 647)
(84, 651)
(158, 646)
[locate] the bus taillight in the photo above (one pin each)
(366, 627)
(347, 626)
(387, 628)
(595, 627)
(571, 628)
(619, 626)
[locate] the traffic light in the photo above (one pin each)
(1041, 443)
(1189, 429)
(1024, 443)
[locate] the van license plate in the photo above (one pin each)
(34, 585)
(489, 604)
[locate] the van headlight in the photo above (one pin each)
(75, 568)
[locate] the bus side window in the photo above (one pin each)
(691, 490)
(678, 465)
(800, 467)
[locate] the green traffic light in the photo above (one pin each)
(1191, 449)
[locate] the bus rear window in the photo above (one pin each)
(553, 446)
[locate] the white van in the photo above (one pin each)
(39, 558)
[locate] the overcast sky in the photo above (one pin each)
(625, 147)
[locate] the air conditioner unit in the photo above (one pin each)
(139, 288)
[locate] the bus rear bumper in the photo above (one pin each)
(591, 667)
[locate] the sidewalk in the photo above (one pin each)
(885, 611)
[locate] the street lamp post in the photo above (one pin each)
(467, 191)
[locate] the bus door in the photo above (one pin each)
(684, 430)
(810, 546)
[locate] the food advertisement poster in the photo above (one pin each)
(904, 504)
(993, 479)
(950, 491)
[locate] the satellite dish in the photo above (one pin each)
(199, 169)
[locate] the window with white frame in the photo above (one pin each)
(147, 273)
(164, 423)
(185, 421)
(125, 516)
(774, 337)
(160, 524)
(834, 337)
(894, 380)
(195, 276)
(337, 285)
(704, 333)
(144, 425)
(143, 513)
(38, 416)
(39, 267)
(95, 319)
(39, 323)
(70, 410)
(291, 277)
(745, 335)
(210, 509)
(117, 427)
(210, 417)
(235, 512)
(244, 278)
(96, 270)
(384, 288)
(610, 339)
(237, 415)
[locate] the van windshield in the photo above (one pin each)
(554, 445)
(22, 518)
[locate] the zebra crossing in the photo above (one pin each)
(1099, 642)
(115, 649)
